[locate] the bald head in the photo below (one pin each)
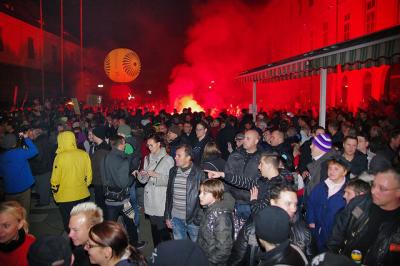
(251, 138)
(277, 137)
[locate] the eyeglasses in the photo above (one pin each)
(382, 189)
(90, 246)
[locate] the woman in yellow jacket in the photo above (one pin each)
(71, 176)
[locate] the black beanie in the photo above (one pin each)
(99, 132)
(272, 225)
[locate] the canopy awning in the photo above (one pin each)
(376, 49)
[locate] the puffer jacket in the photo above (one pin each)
(216, 231)
(72, 170)
(351, 225)
(156, 187)
(193, 210)
(243, 164)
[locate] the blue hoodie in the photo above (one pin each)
(15, 169)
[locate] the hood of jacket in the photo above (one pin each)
(66, 141)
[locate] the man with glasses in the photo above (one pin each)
(371, 223)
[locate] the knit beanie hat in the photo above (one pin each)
(272, 225)
(323, 142)
(99, 132)
(125, 130)
(178, 252)
(175, 129)
(9, 141)
(49, 250)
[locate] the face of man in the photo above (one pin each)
(386, 191)
(349, 194)
(187, 128)
(350, 147)
(395, 142)
(275, 139)
(250, 140)
(181, 159)
(78, 229)
(288, 201)
(362, 144)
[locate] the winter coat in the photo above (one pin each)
(100, 151)
(196, 176)
(198, 149)
(319, 170)
(352, 224)
(115, 170)
(244, 164)
(15, 169)
(284, 254)
(322, 211)
(155, 190)
(358, 165)
(225, 135)
(72, 170)
(214, 163)
(42, 163)
(216, 230)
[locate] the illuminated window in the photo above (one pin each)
(1, 39)
(346, 27)
(370, 18)
(345, 89)
(367, 87)
(31, 49)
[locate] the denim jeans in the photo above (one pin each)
(181, 229)
(112, 213)
(134, 203)
(243, 211)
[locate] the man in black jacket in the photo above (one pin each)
(42, 164)
(371, 223)
(358, 161)
(283, 148)
(244, 162)
(182, 206)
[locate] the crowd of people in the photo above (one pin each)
(220, 190)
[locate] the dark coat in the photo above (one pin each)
(359, 163)
(43, 162)
(214, 163)
(244, 164)
(196, 176)
(284, 254)
(216, 231)
(225, 135)
(352, 224)
(115, 170)
(100, 151)
(198, 149)
(285, 151)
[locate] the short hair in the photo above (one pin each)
(92, 212)
(215, 187)
(272, 159)
(116, 140)
(394, 134)
(275, 192)
(15, 209)
(187, 149)
(350, 137)
(391, 171)
(363, 135)
(211, 149)
(359, 186)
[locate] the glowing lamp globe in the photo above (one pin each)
(122, 65)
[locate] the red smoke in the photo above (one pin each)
(228, 38)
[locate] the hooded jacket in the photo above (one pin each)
(72, 170)
(15, 170)
(216, 230)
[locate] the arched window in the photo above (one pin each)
(367, 87)
(344, 92)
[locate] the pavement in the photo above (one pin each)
(47, 221)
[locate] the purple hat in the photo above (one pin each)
(323, 142)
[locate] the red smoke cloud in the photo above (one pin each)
(228, 38)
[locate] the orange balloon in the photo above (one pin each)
(122, 65)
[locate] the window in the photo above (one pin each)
(31, 49)
(1, 40)
(370, 7)
(325, 33)
(367, 87)
(346, 27)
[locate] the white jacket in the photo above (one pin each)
(156, 187)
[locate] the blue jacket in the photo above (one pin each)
(322, 211)
(15, 169)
